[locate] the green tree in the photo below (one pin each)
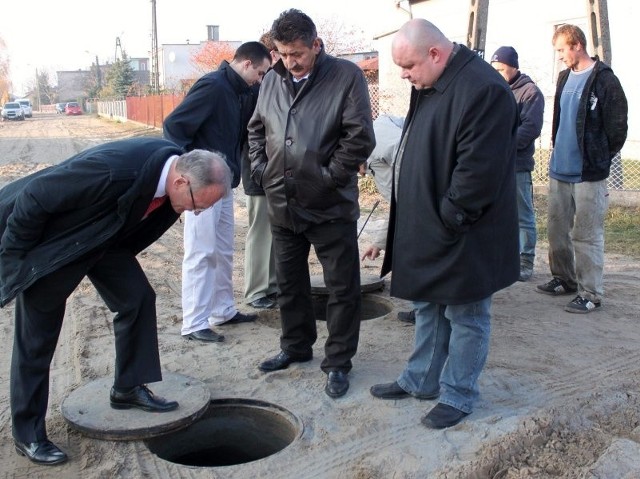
(119, 79)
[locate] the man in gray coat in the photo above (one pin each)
(453, 232)
(89, 216)
(311, 130)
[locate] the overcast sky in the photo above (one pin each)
(65, 35)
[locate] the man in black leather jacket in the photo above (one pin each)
(311, 130)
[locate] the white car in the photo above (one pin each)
(12, 111)
(25, 103)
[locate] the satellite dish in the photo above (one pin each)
(172, 57)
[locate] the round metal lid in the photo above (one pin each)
(87, 409)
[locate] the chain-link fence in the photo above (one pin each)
(624, 174)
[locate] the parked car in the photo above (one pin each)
(25, 103)
(12, 111)
(60, 107)
(73, 108)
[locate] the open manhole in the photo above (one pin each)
(372, 307)
(231, 431)
(368, 284)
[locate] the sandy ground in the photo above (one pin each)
(559, 394)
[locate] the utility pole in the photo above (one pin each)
(477, 29)
(155, 73)
(98, 74)
(118, 46)
(38, 88)
(599, 29)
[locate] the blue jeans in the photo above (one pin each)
(451, 347)
(526, 215)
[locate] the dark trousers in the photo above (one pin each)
(336, 246)
(39, 312)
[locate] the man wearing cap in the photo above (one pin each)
(530, 102)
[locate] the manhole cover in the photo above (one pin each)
(87, 409)
(232, 431)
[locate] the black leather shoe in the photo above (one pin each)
(206, 335)
(389, 391)
(282, 361)
(394, 391)
(263, 303)
(241, 318)
(337, 384)
(407, 316)
(41, 452)
(443, 415)
(142, 398)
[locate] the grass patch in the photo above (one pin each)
(621, 227)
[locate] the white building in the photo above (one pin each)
(528, 26)
(175, 66)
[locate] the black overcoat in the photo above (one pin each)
(453, 231)
(94, 200)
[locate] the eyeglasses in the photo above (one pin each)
(196, 211)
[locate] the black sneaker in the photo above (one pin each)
(555, 287)
(581, 305)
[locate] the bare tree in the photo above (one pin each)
(340, 38)
(5, 82)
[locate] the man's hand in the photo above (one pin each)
(372, 252)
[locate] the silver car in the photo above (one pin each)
(12, 111)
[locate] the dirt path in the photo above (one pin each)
(559, 396)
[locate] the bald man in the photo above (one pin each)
(453, 229)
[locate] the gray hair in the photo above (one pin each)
(205, 168)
